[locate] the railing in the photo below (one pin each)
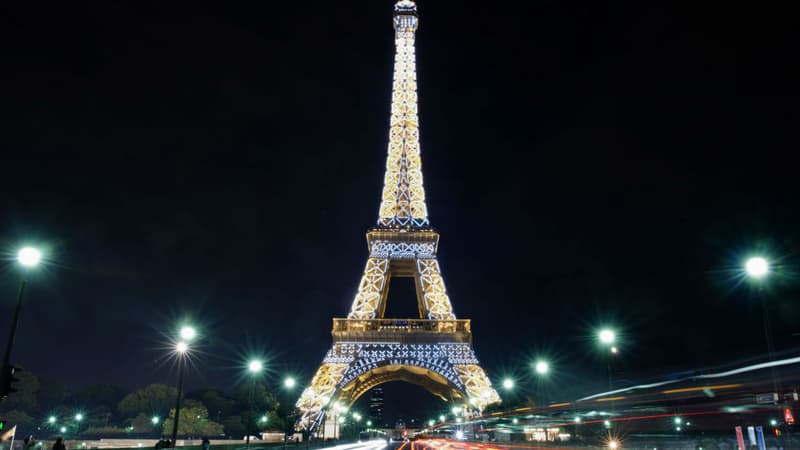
(404, 330)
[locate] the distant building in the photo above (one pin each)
(376, 407)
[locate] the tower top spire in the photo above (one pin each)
(403, 199)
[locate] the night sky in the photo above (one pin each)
(586, 163)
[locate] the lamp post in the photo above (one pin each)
(757, 268)
(255, 367)
(542, 368)
(607, 338)
(187, 333)
(27, 257)
(288, 384)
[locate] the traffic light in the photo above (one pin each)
(2, 425)
(7, 380)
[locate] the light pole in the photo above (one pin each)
(27, 257)
(255, 367)
(187, 333)
(607, 338)
(288, 384)
(757, 268)
(542, 368)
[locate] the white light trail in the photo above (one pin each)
(727, 373)
(376, 444)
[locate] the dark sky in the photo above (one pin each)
(585, 163)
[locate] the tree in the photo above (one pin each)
(152, 399)
(234, 426)
(193, 421)
(25, 397)
(22, 420)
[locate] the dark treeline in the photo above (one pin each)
(45, 408)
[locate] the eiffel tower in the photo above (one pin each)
(434, 351)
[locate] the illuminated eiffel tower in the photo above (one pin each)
(434, 351)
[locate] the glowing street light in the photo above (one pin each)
(51, 420)
(607, 336)
(181, 347)
(255, 366)
(542, 367)
(756, 267)
(155, 420)
(456, 410)
(369, 423)
(515, 421)
(63, 429)
(431, 423)
(289, 383)
(678, 421)
(263, 419)
(29, 256)
(78, 417)
(188, 333)
(613, 444)
(442, 418)
(508, 384)
(577, 419)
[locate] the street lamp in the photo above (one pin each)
(186, 333)
(63, 429)
(78, 417)
(542, 367)
(441, 418)
(508, 384)
(608, 337)
(289, 383)
(155, 420)
(27, 257)
(255, 367)
(756, 267)
(51, 420)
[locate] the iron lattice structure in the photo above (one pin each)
(434, 351)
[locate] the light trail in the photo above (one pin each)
(710, 376)
(377, 444)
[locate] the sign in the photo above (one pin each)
(768, 398)
(760, 433)
(740, 438)
(788, 417)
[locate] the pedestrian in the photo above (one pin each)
(206, 444)
(29, 443)
(59, 444)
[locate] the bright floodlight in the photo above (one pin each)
(29, 256)
(542, 367)
(508, 384)
(182, 347)
(188, 333)
(289, 382)
(613, 444)
(51, 419)
(756, 267)
(255, 366)
(607, 336)
(79, 417)
(155, 420)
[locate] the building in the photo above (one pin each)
(376, 407)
